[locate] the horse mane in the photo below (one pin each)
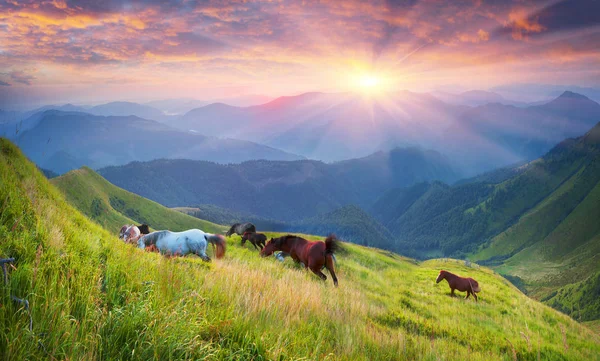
(448, 273)
(152, 238)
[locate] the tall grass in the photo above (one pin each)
(94, 297)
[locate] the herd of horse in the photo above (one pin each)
(313, 255)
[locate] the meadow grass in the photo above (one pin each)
(94, 297)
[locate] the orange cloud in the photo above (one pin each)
(521, 24)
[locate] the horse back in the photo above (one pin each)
(248, 227)
(315, 248)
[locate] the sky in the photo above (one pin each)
(85, 51)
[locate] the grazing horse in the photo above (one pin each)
(313, 255)
(129, 234)
(181, 243)
(241, 228)
(459, 283)
(257, 239)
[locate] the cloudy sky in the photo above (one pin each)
(86, 50)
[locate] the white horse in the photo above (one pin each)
(129, 233)
(181, 243)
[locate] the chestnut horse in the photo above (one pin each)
(313, 255)
(459, 283)
(257, 239)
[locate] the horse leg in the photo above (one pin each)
(474, 295)
(318, 272)
(468, 294)
(329, 265)
(452, 293)
(254, 244)
(202, 254)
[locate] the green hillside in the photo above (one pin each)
(112, 207)
(349, 223)
(93, 297)
(226, 216)
(554, 247)
(539, 227)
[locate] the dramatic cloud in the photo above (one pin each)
(190, 48)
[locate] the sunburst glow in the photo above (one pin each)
(368, 83)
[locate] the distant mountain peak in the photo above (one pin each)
(571, 95)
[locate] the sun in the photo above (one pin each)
(368, 83)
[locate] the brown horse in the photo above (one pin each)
(313, 255)
(257, 239)
(459, 283)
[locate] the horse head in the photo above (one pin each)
(123, 232)
(271, 246)
(441, 276)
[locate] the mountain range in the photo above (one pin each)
(333, 127)
(60, 141)
(475, 98)
(339, 126)
(281, 190)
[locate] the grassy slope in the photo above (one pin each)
(593, 325)
(94, 297)
(557, 243)
(112, 206)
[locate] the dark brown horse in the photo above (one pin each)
(241, 228)
(257, 239)
(459, 283)
(313, 255)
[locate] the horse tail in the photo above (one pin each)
(219, 242)
(331, 244)
(474, 285)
